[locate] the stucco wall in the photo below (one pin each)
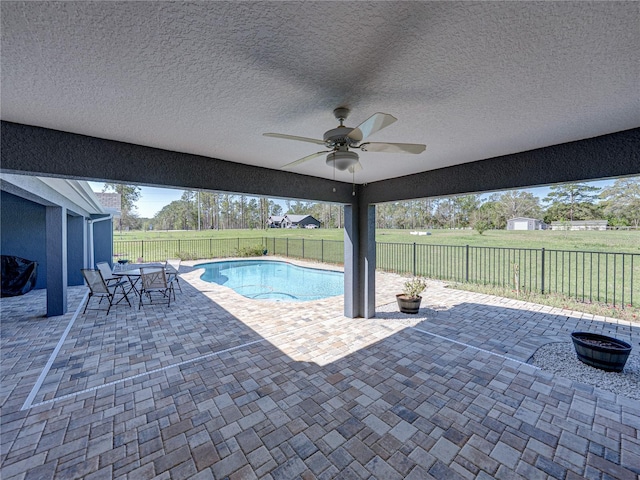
(22, 225)
(22, 232)
(75, 249)
(103, 242)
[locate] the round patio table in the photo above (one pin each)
(133, 273)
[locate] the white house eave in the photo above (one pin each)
(75, 195)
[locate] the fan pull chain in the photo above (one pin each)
(353, 178)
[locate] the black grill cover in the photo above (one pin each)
(18, 275)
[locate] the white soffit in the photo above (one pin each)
(472, 80)
(75, 195)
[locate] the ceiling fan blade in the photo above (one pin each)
(356, 167)
(304, 159)
(414, 148)
(371, 125)
(293, 137)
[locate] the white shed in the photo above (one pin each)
(525, 223)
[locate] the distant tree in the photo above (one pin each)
(129, 195)
(484, 217)
(571, 195)
(299, 208)
(425, 212)
(209, 209)
(481, 226)
(252, 214)
(275, 208)
(559, 212)
(445, 213)
(490, 211)
(517, 203)
(189, 207)
(621, 202)
(170, 217)
(383, 215)
(465, 205)
(264, 212)
(242, 207)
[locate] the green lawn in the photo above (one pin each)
(607, 241)
(592, 269)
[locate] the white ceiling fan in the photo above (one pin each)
(340, 139)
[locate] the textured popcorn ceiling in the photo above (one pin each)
(471, 80)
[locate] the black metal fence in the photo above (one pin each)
(186, 249)
(611, 278)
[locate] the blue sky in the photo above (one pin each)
(153, 199)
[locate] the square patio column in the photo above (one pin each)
(56, 251)
(76, 241)
(359, 260)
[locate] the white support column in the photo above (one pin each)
(88, 243)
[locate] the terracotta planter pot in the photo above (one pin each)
(408, 304)
(600, 351)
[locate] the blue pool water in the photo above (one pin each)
(272, 280)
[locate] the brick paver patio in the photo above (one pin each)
(218, 386)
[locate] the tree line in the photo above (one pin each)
(619, 204)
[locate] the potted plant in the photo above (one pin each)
(409, 300)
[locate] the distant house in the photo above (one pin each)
(112, 203)
(275, 221)
(300, 221)
(525, 223)
(580, 225)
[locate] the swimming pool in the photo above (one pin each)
(274, 280)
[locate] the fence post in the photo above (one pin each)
(542, 273)
(466, 264)
(322, 250)
(287, 247)
(414, 259)
(303, 248)
(142, 244)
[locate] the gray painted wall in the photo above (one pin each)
(45, 152)
(22, 224)
(103, 242)
(22, 232)
(613, 155)
(36, 150)
(75, 249)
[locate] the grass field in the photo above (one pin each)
(600, 282)
(618, 241)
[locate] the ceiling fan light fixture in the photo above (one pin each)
(339, 140)
(342, 160)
